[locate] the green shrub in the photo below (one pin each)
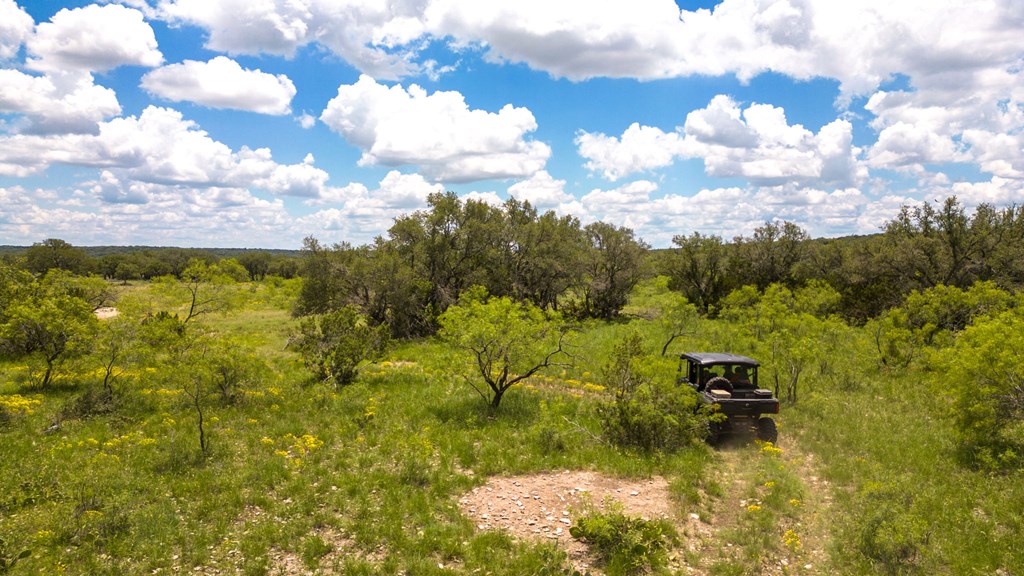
(983, 374)
(626, 544)
(890, 536)
(645, 413)
(313, 549)
(336, 345)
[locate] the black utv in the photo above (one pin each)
(730, 382)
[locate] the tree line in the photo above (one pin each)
(133, 263)
(429, 258)
(409, 276)
(923, 247)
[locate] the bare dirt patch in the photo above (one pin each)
(543, 506)
(106, 312)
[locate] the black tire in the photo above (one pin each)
(719, 383)
(715, 433)
(766, 431)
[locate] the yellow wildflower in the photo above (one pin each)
(792, 541)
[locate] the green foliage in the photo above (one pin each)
(613, 266)
(257, 264)
(202, 289)
(507, 341)
(54, 253)
(626, 544)
(232, 269)
(788, 331)
(770, 256)
(313, 549)
(430, 257)
(699, 269)
(891, 537)
(646, 412)
(233, 368)
(930, 318)
(337, 345)
(983, 373)
(48, 323)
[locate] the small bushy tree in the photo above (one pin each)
(508, 341)
(48, 324)
(788, 330)
(335, 346)
(985, 377)
(625, 544)
(645, 412)
(929, 319)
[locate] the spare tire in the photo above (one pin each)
(719, 383)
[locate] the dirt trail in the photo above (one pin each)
(740, 526)
(792, 539)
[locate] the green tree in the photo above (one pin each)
(203, 287)
(508, 341)
(771, 255)
(930, 319)
(44, 256)
(335, 346)
(613, 266)
(699, 269)
(645, 411)
(116, 346)
(543, 254)
(256, 263)
(126, 271)
(788, 330)
(983, 373)
(232, 269)
(48, 324)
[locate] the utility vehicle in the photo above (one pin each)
(729, 382)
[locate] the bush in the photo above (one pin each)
(335, 346)
(890, 536)
(982, 373)
(626, 544)
(644, 413)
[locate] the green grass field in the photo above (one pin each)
(300, 477)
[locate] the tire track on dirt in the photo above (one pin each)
(748, 529)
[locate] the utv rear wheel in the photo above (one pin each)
(766, 431)
(715, 433)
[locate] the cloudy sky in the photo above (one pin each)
(242, 123)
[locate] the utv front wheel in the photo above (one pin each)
(766, 431)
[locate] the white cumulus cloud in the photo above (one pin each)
(222, 83)
(15, 26)
(542, 191)
(756, 143)
(437, 132)
(358, 214)
(93, 38)
(373, 36)
(161, 147)
(57, 103)
(640, 148)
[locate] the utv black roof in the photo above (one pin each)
(712, 358)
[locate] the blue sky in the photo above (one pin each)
(231, 123)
